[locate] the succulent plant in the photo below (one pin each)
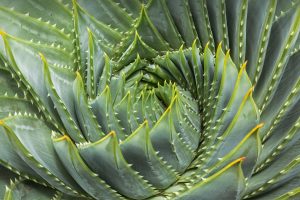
(153, 99)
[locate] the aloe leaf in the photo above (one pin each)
(208, 74)
(28, 145)
(105, 158)
(241, 87)
(288, 190)
(234, 132)
(284, 100)
(14, 104)
(218, 22)
(149, 33)
(5, 178)
(290, 194)
(105, 76)
(250, 147)
(95, 65)
(83, 18)
(138, 110)
(22, 189)
(87, 179)
(123, 111)
(12, 161)
(277, 144)
(262, 13)
(279, 47)
(147, 111)
(214, 77)
(8, 86)
(85, 116)
(283, 6)
(137, 149)
(183, 21)
(200, 17)
(236, 15)
(108, 12)
(222, 87)
(59, 95)
(12, 99)
(186, 122)
(227, 82)
(15, 47)
(30, 28)
(161, 18)
(43, 11)
(137, 47)
(133, 6)
(103, 110)
(167, 141)
(179, 59)
(152, 114)
(279, 172)
(230, 177)
(197, 66)
(18, 64)
(166, 63)
(83, 21)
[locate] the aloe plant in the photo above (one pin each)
(153, 99)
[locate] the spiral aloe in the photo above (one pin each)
(149, 99)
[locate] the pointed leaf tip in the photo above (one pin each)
(111, 134)
(244, 65)
(219, 45)
(2, 32)
(64, 137)
(78, 76)
(43, 58)
(195, 43)
(207, 45)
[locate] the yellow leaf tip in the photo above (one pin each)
(42, 57)
(2, 32)
(260, 125)
(64, 137)
(111, 134)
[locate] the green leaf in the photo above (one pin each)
(108, 12)
(181, 15)
(87, 120)
(105, 158)
(279, 48)
(29, 135)
(87, 179)
(22, 189)
(163, 22)
(230, 179)
(167, 141)
(6, 176)
(236, 15)
(138, 151)
(218, 22)
(262, 13)
(199, 12)
(62, 98)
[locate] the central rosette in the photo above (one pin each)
(141, 125)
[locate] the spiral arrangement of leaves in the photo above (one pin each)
(149, 99)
